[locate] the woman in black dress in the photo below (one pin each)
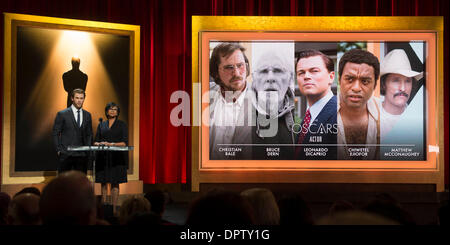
(111, 166)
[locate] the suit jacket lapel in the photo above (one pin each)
(74, 121)
(84, 118)
(328, 111)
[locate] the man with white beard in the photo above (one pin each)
(273, 79)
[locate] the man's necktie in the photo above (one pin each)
(78, 119)
(303, 131)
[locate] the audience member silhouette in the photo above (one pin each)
(443, 214)
(24, 210)
(387, 206)
(158, 200)
(355, 217)
(31, 189)
(264, 206)
(68, 199)
(131, 206)
(144, 219)
(5, 199)
(105, 214)
(74, 79)
(100, 207)
(218, 208)
(340, 206)
(294, 211)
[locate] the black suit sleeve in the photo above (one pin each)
(88, 138)
(124, 130)
(88, 130)
(57, 129)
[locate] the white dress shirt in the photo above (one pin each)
(74, 110)
(388, 121)
(225, 118)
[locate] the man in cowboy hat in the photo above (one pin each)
(396, 83)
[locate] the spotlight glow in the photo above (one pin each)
(49, 91)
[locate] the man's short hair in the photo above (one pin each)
(224, 50)
(78, 91)
(359, 56)
(157, 201)
(24, 209)
(329, 64)
(31, 189)
(68, 199)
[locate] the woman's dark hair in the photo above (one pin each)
(111, 105)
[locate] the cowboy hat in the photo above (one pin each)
(397, 62)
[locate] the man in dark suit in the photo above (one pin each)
(317, 135)
(73, 127)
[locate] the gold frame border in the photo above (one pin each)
(315, 24)
(9, 176)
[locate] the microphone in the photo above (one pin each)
(100, 120)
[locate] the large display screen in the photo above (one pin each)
(320, 100)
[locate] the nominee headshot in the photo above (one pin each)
(358, 110)
(397, 80)
(230, 125)
(315, 75)
(272, 86)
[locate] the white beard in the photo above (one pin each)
(268, 103)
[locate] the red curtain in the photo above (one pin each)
(165, 150)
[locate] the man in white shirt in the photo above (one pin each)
(315, 75)
(358, 111)
(230, 126)
(396, 82)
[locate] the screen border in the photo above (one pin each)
(206, 28)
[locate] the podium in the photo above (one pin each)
(96, 148)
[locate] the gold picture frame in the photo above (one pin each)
(12, 22)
